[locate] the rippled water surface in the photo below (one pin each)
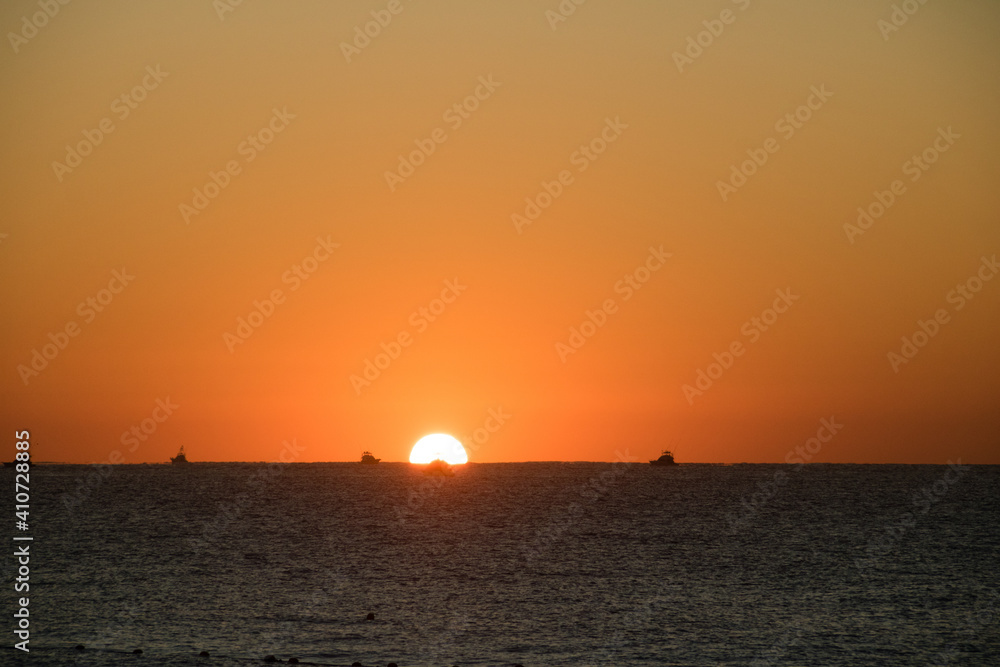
(502, 564)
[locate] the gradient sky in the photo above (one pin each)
(494, 347)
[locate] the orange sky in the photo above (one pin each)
(621, 129)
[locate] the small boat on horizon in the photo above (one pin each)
(180, 458)
(666, 459)
(438, 467)
(368, 458)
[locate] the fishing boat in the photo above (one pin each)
(368, 458)
(666, 459)
(180, 458)
(438, 467)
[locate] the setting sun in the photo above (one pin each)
(438, 446)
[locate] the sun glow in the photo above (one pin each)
(438, 446)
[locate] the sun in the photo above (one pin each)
(438, 446)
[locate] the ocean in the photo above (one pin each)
(505, 564)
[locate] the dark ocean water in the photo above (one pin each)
(502, 564)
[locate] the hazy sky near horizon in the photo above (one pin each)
(694, 165)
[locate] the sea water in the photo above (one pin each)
(504, 564)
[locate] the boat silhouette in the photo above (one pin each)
(666, 459)
(368, 458)
(438, 467)
(180, 458)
